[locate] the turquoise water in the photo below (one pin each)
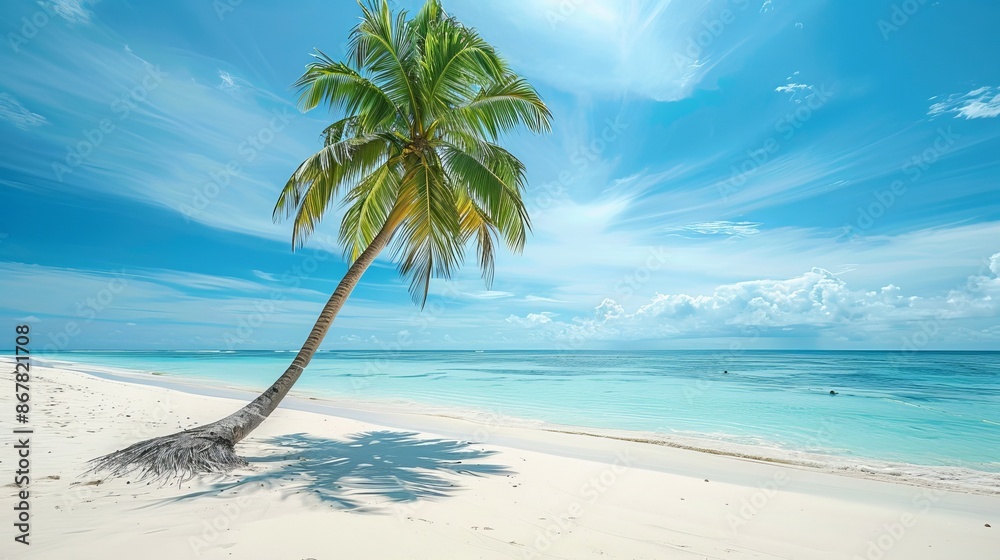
(927, 408)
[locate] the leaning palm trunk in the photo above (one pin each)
(414, 159)
(210, 448)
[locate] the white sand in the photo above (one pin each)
(359, 490)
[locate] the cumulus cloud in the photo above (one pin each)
(16, 114)
(980, 297)
(815, 301)
(531, 320)
(981, 103)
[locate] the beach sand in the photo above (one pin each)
(386, 486)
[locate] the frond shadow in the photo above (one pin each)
(364, 472)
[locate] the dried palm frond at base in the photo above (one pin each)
(178, 457)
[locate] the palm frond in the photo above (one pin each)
(428, 241)
(455, 64)
(383, 47)
(474, 222)
(339, 86)
(497, 109)
(368, 207)
(321, 178)
(494, 179)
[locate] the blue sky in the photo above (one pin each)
(759, 173)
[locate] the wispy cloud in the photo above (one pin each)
(215, 156)
(651, 48)
(540, 298)
(742, 229)
(981, 103)
(265, 276)
(16, 114)
(796, 91)
(488, 294)
(227, 81)
(73, 11)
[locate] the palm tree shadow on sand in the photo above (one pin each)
(363, 473)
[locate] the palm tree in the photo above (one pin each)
(416, 162)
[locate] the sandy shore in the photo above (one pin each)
(357, 484)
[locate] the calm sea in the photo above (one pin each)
(937, 409)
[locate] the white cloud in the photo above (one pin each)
(216, 156)
(16, 114)
(171, 309)
(540, 298)
(981, 103)
(227, 81)
(796, 91)
(814, 302)
(792, 87)
(488, 294)
(265, 275)
(657, 49)
(741, 229)
(73, 11)
(531, 320)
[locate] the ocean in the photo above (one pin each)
(930, 409)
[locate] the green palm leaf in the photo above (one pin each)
(423, 103)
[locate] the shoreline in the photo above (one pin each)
(952, 478)
(383, 485)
